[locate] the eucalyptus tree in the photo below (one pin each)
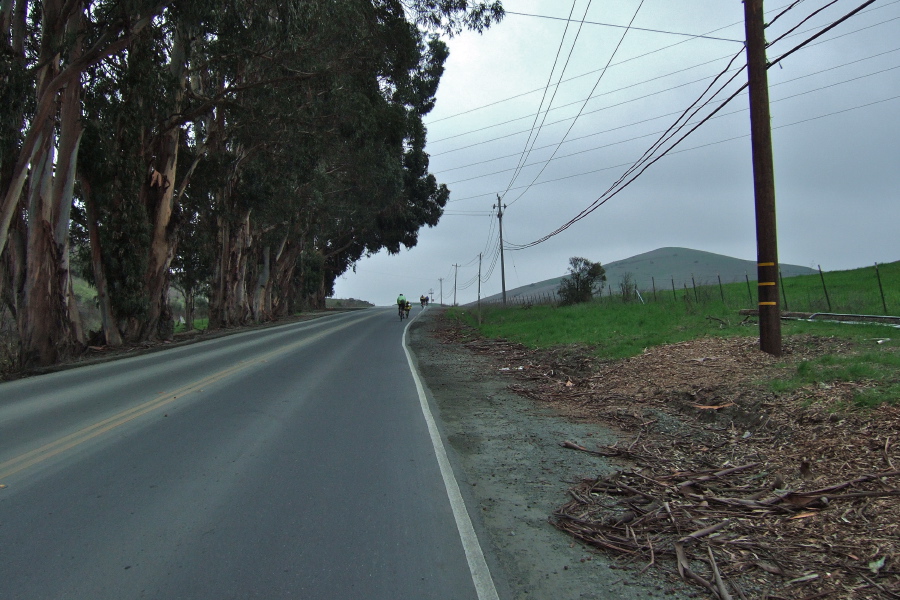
(300, 127)
(54, 42)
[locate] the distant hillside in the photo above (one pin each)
(347, 303)
(666, 265)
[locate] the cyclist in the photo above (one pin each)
(422, 300)
(407, 308)
(401, 304)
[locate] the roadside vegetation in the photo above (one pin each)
(247, 153)
(613, 329)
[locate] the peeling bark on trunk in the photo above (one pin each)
(13, 260)
(159, 192)
(50, 315)
(260, 296)
(189, 301)
(51, 79)
(229, 305)
(44, 330)
(110, 330)
(217, 290)
(64, 181)
(280, 282)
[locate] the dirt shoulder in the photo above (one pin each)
(673, 473)
(516, 474)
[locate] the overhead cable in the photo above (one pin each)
(532, 136)
(690, 35)
(624, 181)
(590, 94)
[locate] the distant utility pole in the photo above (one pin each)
(763, 179)
(431, 294)
(455, 272)
(441, 279)
(500, 208)
(479, 281)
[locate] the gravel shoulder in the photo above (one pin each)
(514, 472)
(679, 464)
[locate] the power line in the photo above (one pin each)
(627, 60)
(507, 99)
(533, 140)
(690, 35)
(822, 32)
(800, 24)
(692, 148)
(476, 130)
(572, 124)
(631, 139)
(606, 196)
(648, 159)
(783, 12)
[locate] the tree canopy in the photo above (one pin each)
(581, 282)
(249, 152)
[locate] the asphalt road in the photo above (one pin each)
(290, 462)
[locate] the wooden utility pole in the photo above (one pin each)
(441, 279)
(500, 208)
(763, 179)
(479, 282)
(455, 273)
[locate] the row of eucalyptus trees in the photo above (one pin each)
(247, 151)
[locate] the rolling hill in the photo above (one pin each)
(667, 267)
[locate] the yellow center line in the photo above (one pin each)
(54, 448)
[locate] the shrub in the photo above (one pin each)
(581, 282)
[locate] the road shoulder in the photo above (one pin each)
(514, 474)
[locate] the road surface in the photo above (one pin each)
(291, 462)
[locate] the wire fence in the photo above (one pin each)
(868, 291)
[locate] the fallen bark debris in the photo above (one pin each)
(721, 482)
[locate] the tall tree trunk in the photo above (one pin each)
(260, 295)
(64, 180)
(228, 301)
(217, 317)
(280, 283)
(51, 79)
(159, 192)
(44, 331)
(189, 301)
(13, 261)
(111, 333)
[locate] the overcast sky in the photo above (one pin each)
(836, 129)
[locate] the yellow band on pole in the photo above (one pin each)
(766, 283)
(769, 264)
(768, 304)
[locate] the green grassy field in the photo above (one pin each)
(615, 330)
(856, 291)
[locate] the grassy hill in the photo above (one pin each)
(667, 267)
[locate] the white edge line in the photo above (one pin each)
(481, 574)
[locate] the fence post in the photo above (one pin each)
(653, 279)
(783, 291)
(880, 289)
(694, 283)
(674, 295)
(749, 293)
(721, 291)
(827, 299)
